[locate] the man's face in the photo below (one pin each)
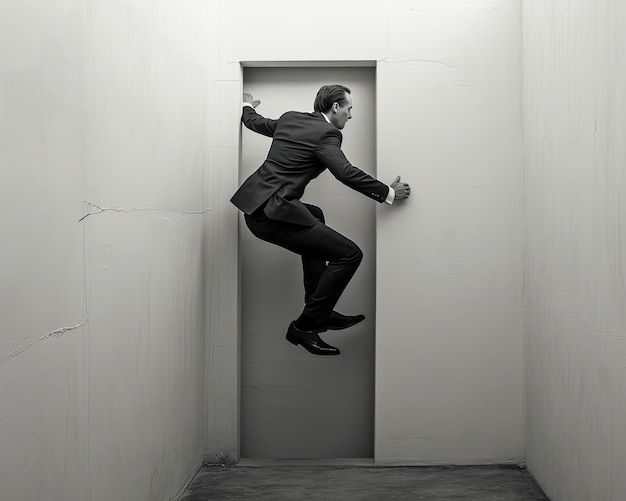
(341, 113)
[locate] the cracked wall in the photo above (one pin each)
(103, 154)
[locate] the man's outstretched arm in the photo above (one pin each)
(255, 122)
(329, 153)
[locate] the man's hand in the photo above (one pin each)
(247, 98)
(403, 190)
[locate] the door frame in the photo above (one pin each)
(236, 423)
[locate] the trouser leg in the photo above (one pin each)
(316, 244)
(312, 267)
(331, 285)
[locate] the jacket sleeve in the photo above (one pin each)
(257, 123)
(329, 153)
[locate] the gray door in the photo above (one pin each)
(294, 404)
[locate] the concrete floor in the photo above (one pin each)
(348, 483)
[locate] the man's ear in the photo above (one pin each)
(335, 107)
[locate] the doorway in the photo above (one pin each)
(294, 404)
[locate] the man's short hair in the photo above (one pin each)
(328, 95)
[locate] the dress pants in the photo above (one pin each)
(329, 260)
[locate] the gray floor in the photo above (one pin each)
(347, 483)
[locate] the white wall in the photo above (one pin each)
(101, 321)
(101, 342)
(575, 130)
(449, 371)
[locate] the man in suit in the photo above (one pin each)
(303, 146)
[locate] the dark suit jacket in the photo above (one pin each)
(303, 146)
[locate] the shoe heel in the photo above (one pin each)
(293, 340)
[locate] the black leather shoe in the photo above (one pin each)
(338, 321)
(310, 341)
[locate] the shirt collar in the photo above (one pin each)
(325, 117)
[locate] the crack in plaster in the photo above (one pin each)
(427, 61)
(55, 333)
(99, 210)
